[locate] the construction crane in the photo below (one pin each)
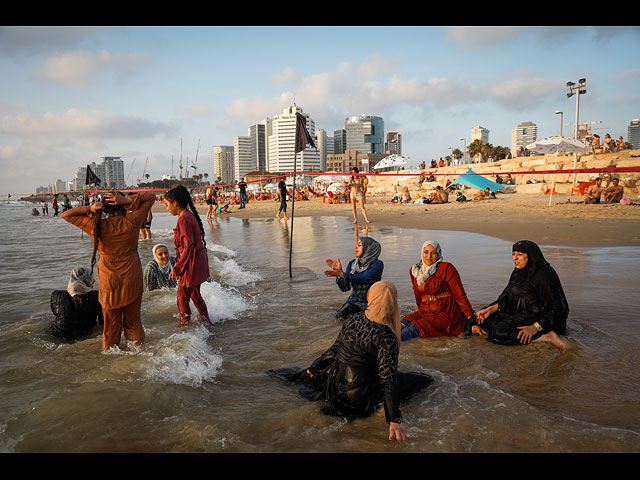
(130, 168)
(145, 170)
(194, 165)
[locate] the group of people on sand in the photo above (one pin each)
(610, 194)
(360, 372)
(114, 224)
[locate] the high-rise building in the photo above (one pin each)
(524, 134)
(250, 152)
(339, 141)
(633, 133)
(113, 172)
(480, 133)
(394, 142)
(223, 164)
(281, 144)
(365, 133)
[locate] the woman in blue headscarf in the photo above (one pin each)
(362, 272)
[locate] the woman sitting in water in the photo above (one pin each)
(531, 308)
(156, 273)
(362, 272)
(359, 372)
(443, 306)
(77, 308)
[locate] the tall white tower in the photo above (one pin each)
(282, 144)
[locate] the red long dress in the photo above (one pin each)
(443, 306)
(192, 264)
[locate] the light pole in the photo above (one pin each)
(561, 117)
(576, 89)
(464, 152)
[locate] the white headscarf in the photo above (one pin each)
(166, 268)
(80, 281)
(420, 271)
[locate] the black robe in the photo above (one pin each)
(358, 373)
(533, 294)
(74, 320)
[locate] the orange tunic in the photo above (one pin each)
(443, 306)
(119, 267)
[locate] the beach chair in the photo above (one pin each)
(581, 188)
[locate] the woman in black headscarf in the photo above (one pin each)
(362, 272)
(531, 308)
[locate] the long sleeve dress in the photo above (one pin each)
(358, 373)
(359, 283)
(192, 264)
(119, 266)
(443, 306)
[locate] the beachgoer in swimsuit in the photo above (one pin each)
(357, 194)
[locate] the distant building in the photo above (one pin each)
(223, 164)
(250, 152)
(365, 133)
(480, 133)
(394, 142)
(521, 136)
(113, 173)
(281, 144)
(344, 162)
(339, 141)
(633, 133)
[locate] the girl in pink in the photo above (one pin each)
(192, 265)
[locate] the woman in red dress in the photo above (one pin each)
(192, 264)
(443, 306)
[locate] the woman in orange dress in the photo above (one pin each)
(114, 226)
(443, 306)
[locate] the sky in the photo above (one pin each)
(151, 94)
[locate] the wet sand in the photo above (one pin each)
(566, 222)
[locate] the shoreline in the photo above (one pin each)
(566, 222)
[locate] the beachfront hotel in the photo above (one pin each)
(281, 144)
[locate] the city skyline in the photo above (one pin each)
(72, 95)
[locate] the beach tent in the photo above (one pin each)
(468, 179)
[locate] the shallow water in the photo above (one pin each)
(204, 389)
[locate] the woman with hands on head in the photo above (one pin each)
(114, 226)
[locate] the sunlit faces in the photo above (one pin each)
(429, 255)
(172, 207)
(359, 249)
(520, 259)
(162, 255)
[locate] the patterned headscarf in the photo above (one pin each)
(80, 281)
(420, 271)
(370, 253)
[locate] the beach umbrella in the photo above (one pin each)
(271, 186)
(555, 144)
(393, 160)
(336, 188)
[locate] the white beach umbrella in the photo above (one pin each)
(336, 188)
(555, 144)
(392, 160)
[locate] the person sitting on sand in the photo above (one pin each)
(77, 308)
(359, 373)
(440, 195)
(485, 195)
(362, 272)
(405, 196)
(156, 273)
(593, 193)
(613, 193)
(443, 306)
(531, 308)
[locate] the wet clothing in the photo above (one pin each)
(192, 265)
(443, 306)
(533, 294)
(119, 267)
(156, 276)
(358, 373)
(74, 319)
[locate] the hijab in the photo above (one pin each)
(370, 252)
(80, 281)
(166, 268)
(422, 272)
(382, 306)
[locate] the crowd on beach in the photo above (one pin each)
(359, 373)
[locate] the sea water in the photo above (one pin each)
(204, 388)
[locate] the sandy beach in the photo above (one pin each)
(566, 222)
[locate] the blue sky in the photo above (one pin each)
(71, 95)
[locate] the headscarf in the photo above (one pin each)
(370, 252)
(80, 281)
(535, 259)
(382, 306)
(422, 272)
(167, 267)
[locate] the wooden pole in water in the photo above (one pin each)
(293, 203)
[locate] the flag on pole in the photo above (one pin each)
(91, 178)
(302, 134)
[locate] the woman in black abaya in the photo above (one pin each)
(531, 308)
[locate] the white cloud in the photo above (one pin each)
(77, 69)
(287, 77)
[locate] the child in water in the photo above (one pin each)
(192, 266)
